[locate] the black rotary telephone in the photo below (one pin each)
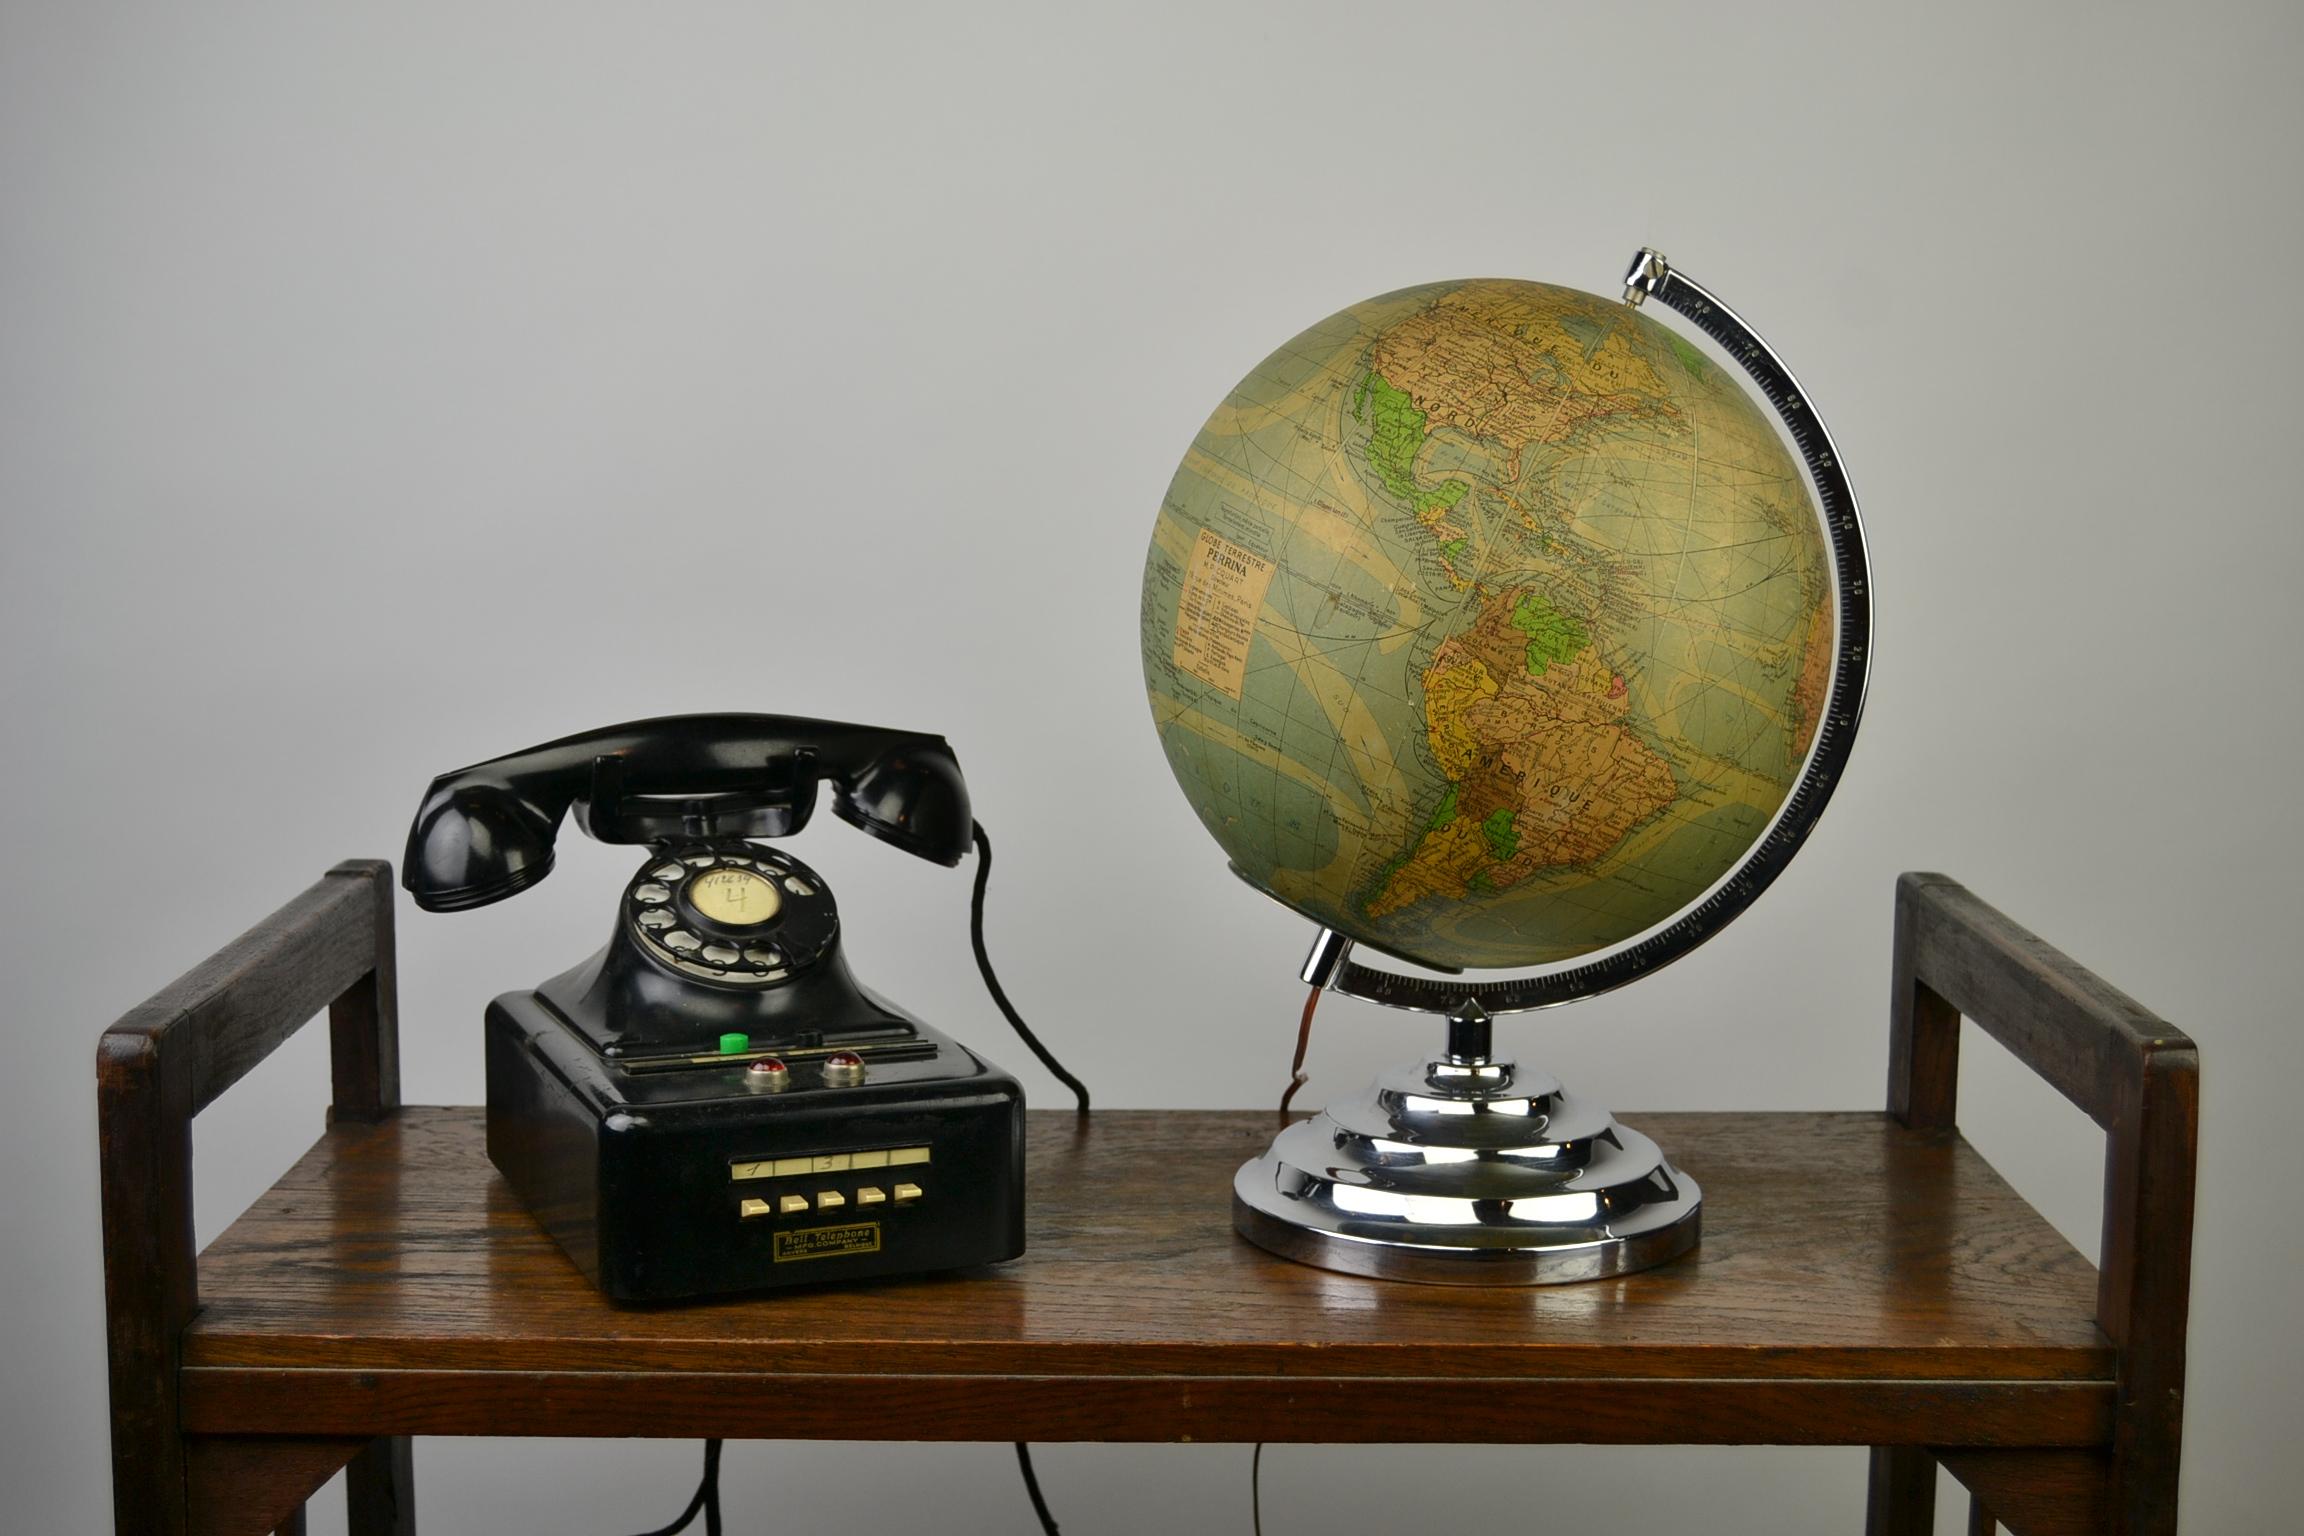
(712, 1103)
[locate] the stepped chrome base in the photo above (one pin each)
(1467, 1171)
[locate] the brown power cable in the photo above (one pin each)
(1296, 1077)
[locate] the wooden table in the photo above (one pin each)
(1864, 1279)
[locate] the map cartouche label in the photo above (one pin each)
(1216, 615)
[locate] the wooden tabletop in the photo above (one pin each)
(1858, 1283)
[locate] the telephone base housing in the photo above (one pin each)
(668, 1184)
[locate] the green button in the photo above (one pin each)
(735, 1045)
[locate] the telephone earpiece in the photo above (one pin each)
(913, 799)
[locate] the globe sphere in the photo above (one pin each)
(1488, 623)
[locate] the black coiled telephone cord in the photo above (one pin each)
(707, 1496)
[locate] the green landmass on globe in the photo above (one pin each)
(1488, 623)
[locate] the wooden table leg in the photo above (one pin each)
(1902, 1497)
(380, 1489)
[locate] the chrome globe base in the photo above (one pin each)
(1467, 1171)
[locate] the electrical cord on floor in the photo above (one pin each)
(1032, 1487)
(992, 982)
(706, 1498)
(1256, 1488)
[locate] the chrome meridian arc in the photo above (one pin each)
(1651, 276)
(1467, 1171)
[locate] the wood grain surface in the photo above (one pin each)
(1858, 1283)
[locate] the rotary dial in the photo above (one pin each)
(743, 916)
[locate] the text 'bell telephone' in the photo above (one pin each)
(712, 1103)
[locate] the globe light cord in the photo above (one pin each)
(1296, 1074)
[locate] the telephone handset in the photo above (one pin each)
(485, 832)
(711, 1102)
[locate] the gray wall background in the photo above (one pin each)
(385, 387)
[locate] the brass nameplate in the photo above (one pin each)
(828, 1242)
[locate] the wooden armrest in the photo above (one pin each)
(2132, 1073)
(1958, 957)
(225, 1015)
(161, 1065)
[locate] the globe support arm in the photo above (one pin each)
(1330, 963)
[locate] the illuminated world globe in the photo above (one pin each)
(1488, 624)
